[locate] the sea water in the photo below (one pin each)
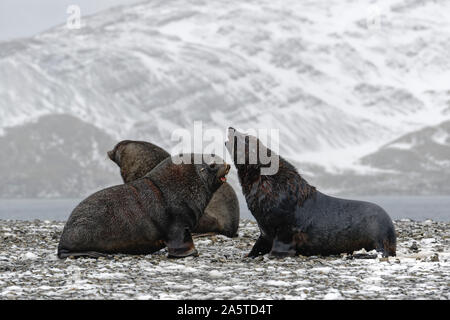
(417, 208)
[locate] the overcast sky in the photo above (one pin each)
(24, 18)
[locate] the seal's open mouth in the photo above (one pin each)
(223, 171)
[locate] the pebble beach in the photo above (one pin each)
(29, 269)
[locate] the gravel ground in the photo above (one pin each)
(29, 269)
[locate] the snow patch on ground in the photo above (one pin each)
(29, 270)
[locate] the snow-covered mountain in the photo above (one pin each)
(57, 156)
(342, 80)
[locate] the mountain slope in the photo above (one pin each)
(338, 86)
(416, 163)
(58, 156)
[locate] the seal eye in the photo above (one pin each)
(212, 165)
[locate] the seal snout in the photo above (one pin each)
(223, 171)
(231, 132)
(111, 155)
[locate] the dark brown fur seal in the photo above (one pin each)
(295, 218)
(145, 215)
(137, 158)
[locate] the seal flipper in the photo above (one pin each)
(181, 245)
(386, 248)
(261, 247)
(283, 246)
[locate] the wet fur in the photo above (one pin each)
(295, 218)
(142, 216)
(137, 158)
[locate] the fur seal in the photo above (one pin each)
(145, 215)
(137, 158)
(295, 218)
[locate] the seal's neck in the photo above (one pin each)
(248, 175)
(286, 188)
